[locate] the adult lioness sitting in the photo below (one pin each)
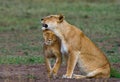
(52, 50)
(80, 49)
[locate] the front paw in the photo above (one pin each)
(53, 75)
(50, 75)
(66, 76)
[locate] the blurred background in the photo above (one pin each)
(20, 29)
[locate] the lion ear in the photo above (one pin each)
(61, 18)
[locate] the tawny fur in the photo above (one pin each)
(80, 49)
(52, 50)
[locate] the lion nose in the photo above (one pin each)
(45, 25)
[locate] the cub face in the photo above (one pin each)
(49, 37)
(51, 22)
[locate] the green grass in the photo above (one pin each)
(21, 59)
(20, 34)
(115, 73)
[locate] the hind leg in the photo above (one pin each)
(78, 76)
(89, 75)
(94, 74)
(103, 72)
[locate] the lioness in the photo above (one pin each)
(52, 50)
(80, 49)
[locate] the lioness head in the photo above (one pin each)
(49, 37)
(51, 22)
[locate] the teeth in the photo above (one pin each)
(43, 28)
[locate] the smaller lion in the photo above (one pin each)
(52, 50)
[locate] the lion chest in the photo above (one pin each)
(51, 51)
(64, 49)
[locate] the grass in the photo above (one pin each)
(21, 38)
(115, 73)
(21, 59)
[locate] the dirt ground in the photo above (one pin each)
(37, 73)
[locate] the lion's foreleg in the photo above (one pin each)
(66, 58)
(48, 66)
(71, 63)
(56, 65)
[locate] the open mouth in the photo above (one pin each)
(45, 25)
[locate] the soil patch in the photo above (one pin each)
(37, 73)
(116, 66)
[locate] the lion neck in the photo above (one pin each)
(62, 30)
